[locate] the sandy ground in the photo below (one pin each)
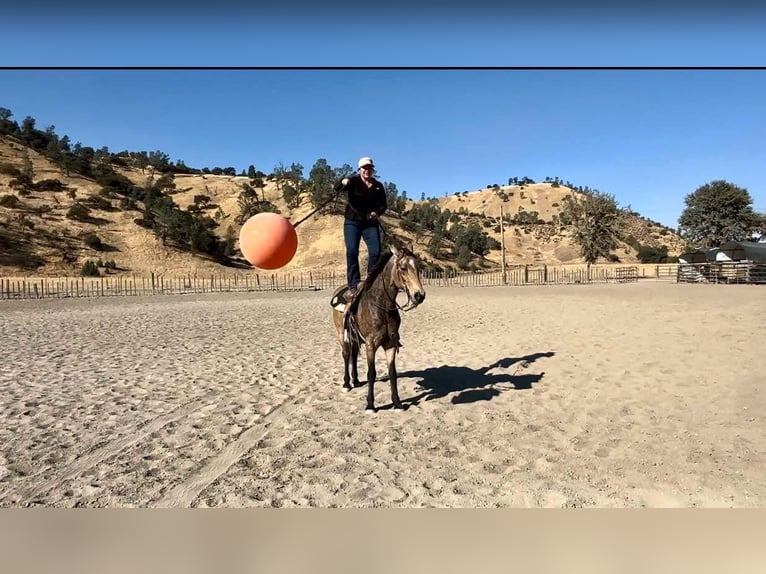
(645, 394)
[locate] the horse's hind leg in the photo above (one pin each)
(391, 360)
(370, 377)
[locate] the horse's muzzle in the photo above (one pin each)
(418, 297)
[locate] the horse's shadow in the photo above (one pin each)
(470, 385)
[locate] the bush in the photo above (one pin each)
(89, 269)
(50, 185)
(9, 169)
(649, 254)
(93, 241)
(78, 212)
(463, 257)
(115, 182)
(98, 202)
(10, 200)
(128, 203)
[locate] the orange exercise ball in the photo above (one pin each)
(268, 240)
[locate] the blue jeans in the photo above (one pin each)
(353, 233)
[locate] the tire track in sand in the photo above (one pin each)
(86, 461)
(183, 494)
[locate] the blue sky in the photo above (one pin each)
(649, 137)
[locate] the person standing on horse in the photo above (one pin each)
(366, 202)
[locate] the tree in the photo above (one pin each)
(596, 220)
(320, 183)
(343, 171)
(718, 212)
(159, 160)
(472, 237)
(294, 185)
(7, 125)
(435, 245)
(251, 172)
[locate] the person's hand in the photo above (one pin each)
(344, 181)
(373, 215)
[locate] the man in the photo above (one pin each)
(366, 202)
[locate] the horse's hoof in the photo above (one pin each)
(346, 389)
(399, 407)
(370, 410)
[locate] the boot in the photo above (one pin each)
(349, 294)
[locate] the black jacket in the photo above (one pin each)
(361, 199)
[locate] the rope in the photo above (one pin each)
(325, 204)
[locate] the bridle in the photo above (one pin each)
(397, 278)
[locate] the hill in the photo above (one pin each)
(38, 235)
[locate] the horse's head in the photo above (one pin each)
(406, 275)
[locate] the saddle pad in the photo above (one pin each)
(340, 307)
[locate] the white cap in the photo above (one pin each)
(365, 161)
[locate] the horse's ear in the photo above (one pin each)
(394, 250)
(411, 247)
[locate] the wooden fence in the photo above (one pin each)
(163, 284)
(535, 275)
(160, 284)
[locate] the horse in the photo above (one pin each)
(372, 317)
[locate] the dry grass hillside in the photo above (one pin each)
(550, 242)
(37, 238)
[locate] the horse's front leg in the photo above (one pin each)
(354, 360)
(346, 349)
(370, 348)
(391, 360)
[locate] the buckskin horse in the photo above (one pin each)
(372, 318)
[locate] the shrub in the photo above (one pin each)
(93, 241)
(99, 202)
(650, 254)
(50, 185)
(115, 182)
(10, 200)
(79, 212)
(89, 269)
(9, 169)
(127, 203)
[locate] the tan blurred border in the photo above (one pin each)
(383, 540)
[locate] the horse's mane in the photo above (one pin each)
(376, 270)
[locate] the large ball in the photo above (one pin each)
(268, 240)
